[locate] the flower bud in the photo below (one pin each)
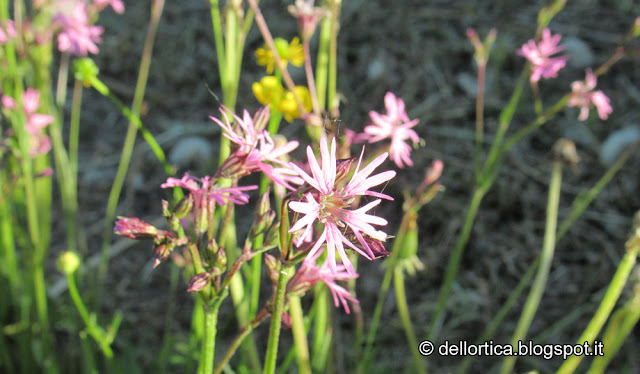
(198, 282)
(273, 266)
(184, 206)
(343, 167)
(221, 259)
(160, 253)
(68, 262)
(212, 247)
(134, 228)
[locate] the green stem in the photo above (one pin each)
(209, 342)
(539, 284)
(403, 309)
(246, 331)
(276, 319)
(482, 68)
(322, 61)
(606, 306)
(94, 330)
(321, 328)
(454, 262)
(127, 149)
(299, 335)
(618, 329)
(332, 103)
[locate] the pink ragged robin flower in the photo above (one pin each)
(117, 5)
(206, 186)
(255, 150)
(309, 274)
(78, 37)
(7, 32)
(583, 96)
(329, 203)
(539, 55)
(395, 124)
(35, 124)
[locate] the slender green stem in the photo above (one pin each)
(482, 68)
(454, 262)
(299, 335)
(246, 331)
(332, 103)
(403, 309)
(94, 330)
(539, 284)
(321, 329)
(276, 320)
(618, 329)
(606, 306)
(209, 344)
(322, 61)
(127, 149)
(583, 200)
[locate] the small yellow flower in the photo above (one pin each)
(267, 90)
(288, 52)
(289, 107)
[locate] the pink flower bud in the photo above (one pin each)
(198, 282)
(134, 228)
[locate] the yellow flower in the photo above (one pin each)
(288, 52)
(288, 105)
(268, 90)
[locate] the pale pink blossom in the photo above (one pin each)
(309, 274)
(117, 5)
(207, 186)
(330, 203)
(539, 55)
(583, 96)
(7, 32)
(255, 150)
(78, 37)
(35, 122)
(395, 124)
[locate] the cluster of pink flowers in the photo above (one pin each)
(329, 203)
(255, 150)
(310, 274)
(35, 122)
(394, 125)
(583, 96)
(539, 55)
(77, 37)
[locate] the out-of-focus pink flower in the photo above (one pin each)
(255, 149)
(309, 274)
(8, 32)
(583, 96)
(206, 186)
(395, 124)
(117, 5)
(78, 37)
(539, 55)
(329, 205)
(40, 143)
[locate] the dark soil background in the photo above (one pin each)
(418, 50)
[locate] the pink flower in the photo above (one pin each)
(539, 55)
(329, 205)
(117, 5)
(256, 150)
(77, 36)
(309, 274)
(35, 124)
(395, 125)
(199, 187)
(8, 32)
(583, 96)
